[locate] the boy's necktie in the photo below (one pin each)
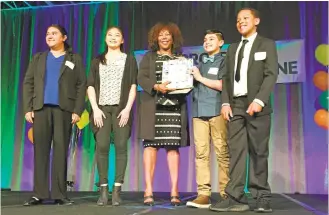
(240, 57)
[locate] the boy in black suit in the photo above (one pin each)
(252, 70)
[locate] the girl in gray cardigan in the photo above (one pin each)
(112, 91)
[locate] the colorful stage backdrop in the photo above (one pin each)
(298, 145)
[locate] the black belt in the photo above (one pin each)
(244, 96)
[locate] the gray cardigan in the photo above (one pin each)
(129, 78)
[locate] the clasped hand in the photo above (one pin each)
(163, 87)
(253, 108)
(196, 73)
(75, 118)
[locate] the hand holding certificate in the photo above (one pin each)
(163, 87)
(178, 74)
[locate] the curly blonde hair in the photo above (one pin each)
(173, 29)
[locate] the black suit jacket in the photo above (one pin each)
(72, 84)
(262, 74)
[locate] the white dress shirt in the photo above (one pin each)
(240, 88)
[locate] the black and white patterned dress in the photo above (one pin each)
(167, 114)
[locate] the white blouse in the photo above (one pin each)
(110, 80)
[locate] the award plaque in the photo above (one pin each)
(178, 73)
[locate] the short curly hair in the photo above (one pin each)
(173, 30)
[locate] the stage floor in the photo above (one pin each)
(85, 204)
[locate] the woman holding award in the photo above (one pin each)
(162, 116)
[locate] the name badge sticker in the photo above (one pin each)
(213, 71)
(69, 64)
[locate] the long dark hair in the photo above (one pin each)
(101, 57)
(63, 31)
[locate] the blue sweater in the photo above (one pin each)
(53, 66)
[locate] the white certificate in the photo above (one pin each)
(178, 73)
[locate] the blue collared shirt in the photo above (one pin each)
(207, 101)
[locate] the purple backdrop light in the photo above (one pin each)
(86, 33)
(317, 105)
(312, 133)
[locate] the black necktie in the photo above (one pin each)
(240, 57)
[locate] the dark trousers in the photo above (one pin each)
(103, 139)
(51, 124)
(248, 134)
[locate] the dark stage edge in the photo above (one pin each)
(85, 204)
